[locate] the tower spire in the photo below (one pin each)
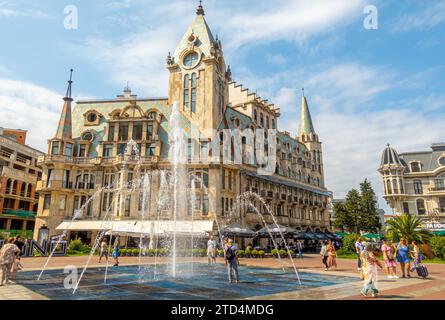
(200, 9)
(306, 125)
(64, 130)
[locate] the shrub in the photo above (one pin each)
(274, 252)
(291, 252)
(254, 253)
(122, 252)
(349, 242)
(283, 253)
(261, 253)
(240, 253)
(220, 252)
(248, 252)
(438, 247)
(135, 252)
(75, 245)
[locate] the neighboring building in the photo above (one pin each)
(18, 178)
(86, 152)
(414, 183)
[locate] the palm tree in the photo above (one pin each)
(408, 227)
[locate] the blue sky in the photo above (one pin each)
(365, 88)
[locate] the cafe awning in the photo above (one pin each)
(275, 230)
(237, 230)
(135, 227)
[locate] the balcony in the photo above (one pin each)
(60, 184)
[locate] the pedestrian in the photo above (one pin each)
(390, 261)
(103, 250)
(358, 250)
(211, 251)
(300, 249)
(20, 244)
(16, 266)
(403, 256)
(418, 257)
(369, 269)
(8, 254)
(332, 256)
(116, 248)
(231, 261)
(324, 255)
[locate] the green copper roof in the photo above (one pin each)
(306, 126)
(200, 29)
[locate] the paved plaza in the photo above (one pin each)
(263, 280)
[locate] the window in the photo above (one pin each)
(273, 123)
(186, 90)
(137, 131)
(405, 208)
(230, 180)
(87, 136)
(68, 149)
(193, 100)
(150, 150)
(76, 204)
(55, 148)
(121, 148)
(415, 167)
(111, 132)
(47, 201)
(267, 121)
(255, 116)
(418, 188)
(204, 151)
(223, 179)
(123, 132)
(62, 202)
(442, 161)
(108, 150)
(149, 131)
(205, 204)
(127, 205)
(439, 184)
(261, 120)
(152, 115)
(420, 207)
(91, 117)
(191, 59)
(82, 150)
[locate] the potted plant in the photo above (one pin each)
(240, 253)
(261, 253)
(254, 253)
(274, 253)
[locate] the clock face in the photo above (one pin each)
(190, 60)
(442, 161)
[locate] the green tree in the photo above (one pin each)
(352, 206)
(368, 219)
(408, 227)
(340, 216)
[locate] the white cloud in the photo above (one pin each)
(8, 10)
(30, 107)
(422, 18)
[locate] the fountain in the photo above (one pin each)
(168, 199)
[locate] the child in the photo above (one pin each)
(369, 267)
(16, 266)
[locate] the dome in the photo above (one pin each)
(390, 156)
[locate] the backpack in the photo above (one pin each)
(230, 255)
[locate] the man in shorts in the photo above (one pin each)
(211, 250)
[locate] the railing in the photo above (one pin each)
(437, 189)
(5, 154)
(61, 184)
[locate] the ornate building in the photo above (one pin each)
(414, 183)
(87, 150)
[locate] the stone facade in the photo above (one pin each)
(414, 183)
(18, 177)
(86, 153)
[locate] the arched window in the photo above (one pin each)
(261, 120)
(395, 186)
(420, 206)
(273, 123)
(255, 116)
(8, 186)
(289, 172)
(388, 186)
(28, 191)
(193, 100)
(14, 187)
(267, 121)
(23, 189)
(186, 90)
